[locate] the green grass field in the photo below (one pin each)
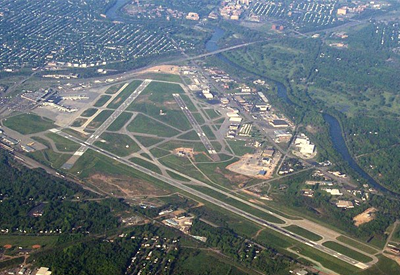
(123, 95)
(121, 145)
(25, 241)
(89, 112)
(347, 251)
(189, 103)
(158, 96)
(28, 123)
(176, 176)
(92, 162)
(326, 260)
(192, 135)
(239, 148)
(102, 100)
(209, 133)
(63, 144)
(385, 266)
(212, 114)
(99, 119)
(50, 158)
(148, 141)
(357, 245)
(195, 262)
(182, 165)
(197, 116)
(146, 164)
(113, 89)
(304, 232)
(120, 122)
(79, 122)
(146, 125)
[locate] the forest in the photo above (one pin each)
(62, 206)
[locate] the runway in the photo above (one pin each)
(132, 97)
(204, 139)
(219, 203)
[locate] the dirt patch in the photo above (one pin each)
(233, 177)
(184, 152)
(123, 186)
(258, 233)
(7, 246)
(162, 69)
(251, 165)
(366, 216)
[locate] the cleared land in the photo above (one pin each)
(28, 123)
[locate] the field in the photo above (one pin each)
(238, 147)
(102, 100)
(303, 232)
(383, 267)
(99, 119)
(347, 251)
(78, 122)
(145, 125)
(146, 164)
(63, 144)
(89, 112)
(148, 141)
(119, 144)
(194, 262)
(113, 89)
(162, 77)
(158, 97)
(123, 95)
(357, 245)
(28, 123)
(27, 242)
(120, 122)
(50, 158)
(109, 176)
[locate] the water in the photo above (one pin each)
(335, 131)
(112, 13)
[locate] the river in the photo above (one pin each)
(335, 131)
(112, 13)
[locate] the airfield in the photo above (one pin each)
(155, 128)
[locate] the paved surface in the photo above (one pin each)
(105, 125)
(204, 139)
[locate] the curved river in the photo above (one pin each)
(335, 130)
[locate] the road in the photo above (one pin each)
(219, 203)
(106, 124)
(204, 139)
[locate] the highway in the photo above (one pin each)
(132, 97)
(219, 203)
(204, 139)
